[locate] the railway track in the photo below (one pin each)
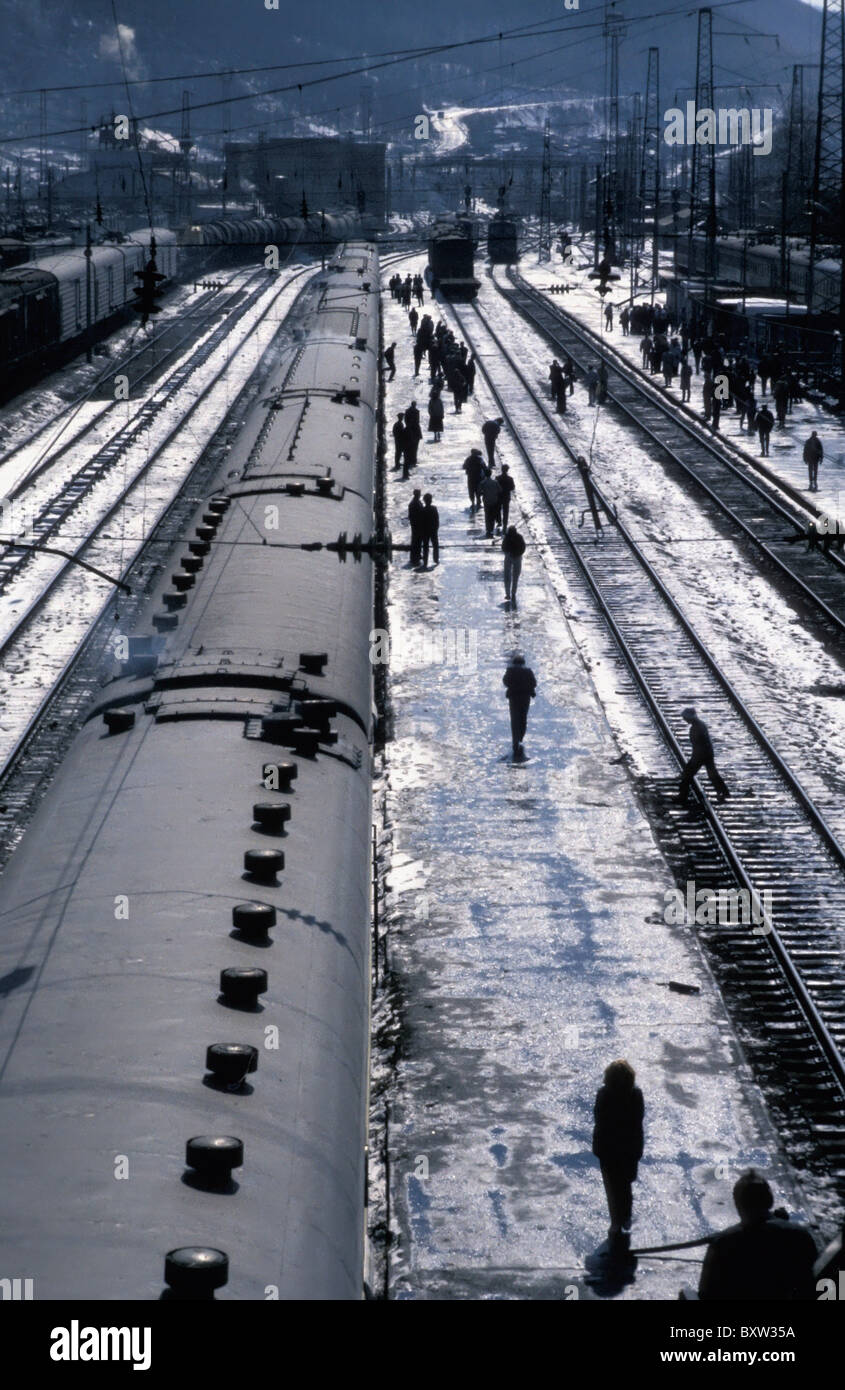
(751, 504)
(39, 626)
(775, 842)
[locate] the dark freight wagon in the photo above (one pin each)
(451, 264)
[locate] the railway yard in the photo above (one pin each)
(259, 802)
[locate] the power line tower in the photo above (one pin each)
(42, 139)
(649, 199)
(612, 34)
(703, 181)
(544, 246)
(186, 144)
(826, 205)
(796, 153)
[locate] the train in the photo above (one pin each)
(503, 240)
(325, 229)
(761, 267)
(44, 303)
(451, 260)
(185, 925)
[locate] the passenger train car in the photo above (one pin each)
(44, 303)
(183, 1086)
(761, 267)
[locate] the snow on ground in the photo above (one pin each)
(524, 914)
(749, 626)
(786, 446)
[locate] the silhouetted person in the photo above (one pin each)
(491, 496)
(608, 317)
(702, 756)
(490, 430)
(430, 526)
(764, 1257)
(813, 455)
(475, 470)
(506, 488)
(415, 515)
(411, 438)
(513, 547)
(618, 1144)
(521, 686)
(780, 391)
(398, 441)
(435, 416)
(601, 384)
(469, 374)
(765, 421)
(390, 359)
(591, 381)
(686, 380)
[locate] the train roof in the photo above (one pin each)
(28, 276)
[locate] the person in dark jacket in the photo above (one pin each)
(411, 438)
(398, 440)
(618, 1144)
(686, 380)
(780, 391)
(764, 1257)
(813, 455)
(430, 527)
(521, 686)
(513, 547)
(491, 496)
(415, 515)
(390, 360)
(435, 415)
(475, 470)
(469, 373)
(506, 488)
(765, 420)
(702, 756)
(490, 430)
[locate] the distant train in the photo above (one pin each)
(503, 240)
(191, 900)
(451, 259)
(762, 269)
(44, 303)
(276, 231)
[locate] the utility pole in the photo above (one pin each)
(42, 138)
(650, 160)
(544, 246)
(597, 254)
(703, 181)
(612, 35)
(88, 352)
(827, 206)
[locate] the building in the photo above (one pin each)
(329, 173)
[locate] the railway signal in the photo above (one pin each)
(148, 290)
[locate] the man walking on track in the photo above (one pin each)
(702, 756)
(521, 686)
(490, 429)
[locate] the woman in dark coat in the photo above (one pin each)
(618, 1142)
(435, 415)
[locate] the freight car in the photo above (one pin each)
(185, 924)
(503, 240)
(44, 303)
(451, 262)
(761, 267)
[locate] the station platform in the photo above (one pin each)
(524, 912)
(786, 446)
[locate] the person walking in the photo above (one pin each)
(513, 547)
(813, 455)
(624, 320)
(491, 430)
(413, 319)
(780, 391)
(473, 466)
(491, 496)
(608, 317)
(390, 360)
(469, 373)
(765, 421)
(702, 756)
(618, 1145)
(430, 528)
(506, 488)
(398, 440)
(415, 515)
(521, 686)
(591, 382)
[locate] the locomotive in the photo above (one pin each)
(187, 917)
(502, 240)
(451, 260)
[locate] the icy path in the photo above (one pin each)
(786, 446)
(525, 920)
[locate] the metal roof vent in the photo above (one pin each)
(119, 721)
(271, 815)
(312, 663)
(253, 920)
(240, 985)
(279, 776)
(306, 741)
(213, 1156)
(195, 1271)
(264, 864)
(231, 1063)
